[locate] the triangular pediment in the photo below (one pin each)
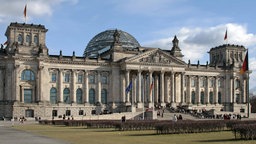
(155, 56)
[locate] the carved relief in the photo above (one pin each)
(155, 58)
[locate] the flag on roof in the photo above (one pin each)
(245, 66)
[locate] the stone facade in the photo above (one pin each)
(34, 83)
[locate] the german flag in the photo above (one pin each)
(245, 66)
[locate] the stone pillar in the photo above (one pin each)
(122, 87)
(167, 88)
(151, 104)
(207, 91)
(99, 87)
(162, 86)
(198, 90)
(86, 88)
(216, 90)
(244, 83)
(134, 89)
(60, 85)
(139, 103)
(73, 87)
(189, 90)
(17, 87)
(127, 75)
(231, 85)
(172, 87)
(156, 89)
(145, 90)
(182, 88)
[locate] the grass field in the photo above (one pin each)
(81, 135)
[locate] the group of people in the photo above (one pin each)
(176, 118)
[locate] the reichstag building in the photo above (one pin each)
(115, 75)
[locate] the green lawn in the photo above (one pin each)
(81, 135)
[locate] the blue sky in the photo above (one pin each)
(198, 24)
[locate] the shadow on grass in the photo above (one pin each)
(218, 140)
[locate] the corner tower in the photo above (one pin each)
(226, 55)
(26, 39)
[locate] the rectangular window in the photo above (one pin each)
(193, 82)
(80, 78)
(81, 112)
(66, 78)
(68, 112)
(211, 82)
(219, 83)
(92, 79)
(27, 95)
(54, 113)
(54, 77)
(104, 80)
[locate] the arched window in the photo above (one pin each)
(202, 97)
(211, 97)
(219, 97)
(36, 39)
(20, 38)
(53, 95)
(92, 96)
(79, 94)
(66, 96)
(28, 75)
(193, 97)
(104, 96)
(28, 39)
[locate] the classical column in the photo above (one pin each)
(99, 88)
(127, 75)
(73, 86)
(39, 93)
(86, 88)
(156, 88)
(207, 90)
(182, 88)
(150, 90)
(16, 83)
(122, 87)
(198, 90)
(231, 85)
(244, 90)
(216, 90)
(145, 90)
(172, 87)
(189, 89)
(134, 89)
(60, 85)
(162, 86)
(139, 86)
(166, 89)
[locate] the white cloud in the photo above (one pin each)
(196, 42)
(13, 10)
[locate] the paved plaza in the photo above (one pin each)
(9, 135)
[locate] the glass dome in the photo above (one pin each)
(104, 40)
